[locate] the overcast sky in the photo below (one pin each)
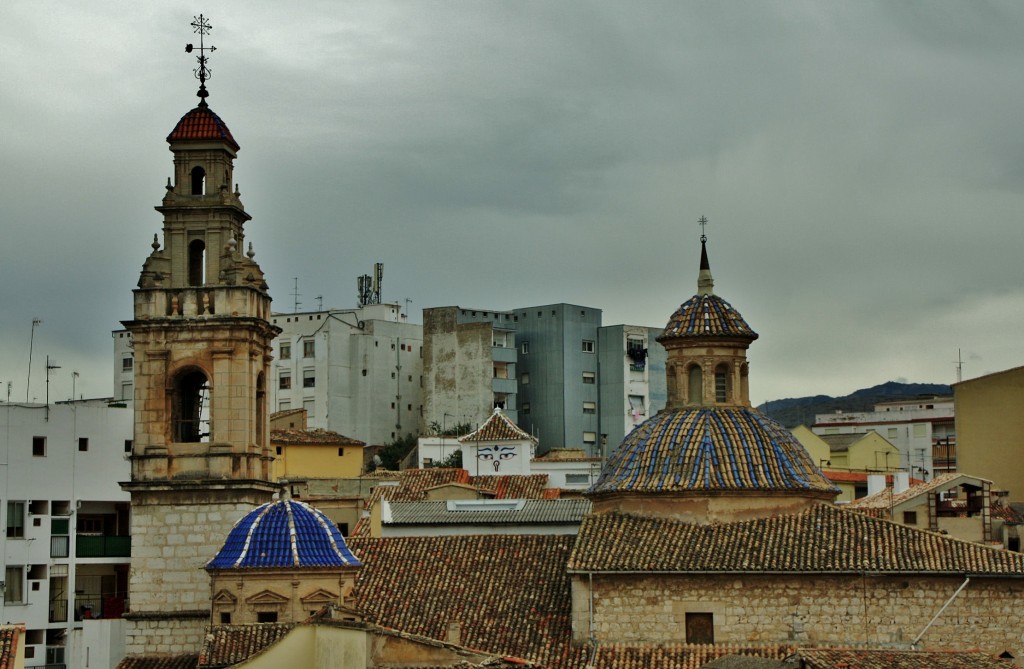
(861, 165)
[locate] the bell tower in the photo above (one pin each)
(202, 343)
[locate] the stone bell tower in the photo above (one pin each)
(202, 344)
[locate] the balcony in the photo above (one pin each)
(99, 546)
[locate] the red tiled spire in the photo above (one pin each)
(201, 124)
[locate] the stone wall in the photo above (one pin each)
(165, 635)
(843, 610)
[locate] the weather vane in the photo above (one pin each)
(702, 221)
(201, 26)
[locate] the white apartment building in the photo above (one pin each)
(355, 371)
(915, 427)
(66, 544)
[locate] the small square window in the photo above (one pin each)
(286, 354)
(590, 437)
(309, 378)
(589, 377)
(39, 447)
(590, 407)
(284, 382)
(588, 346)
(910, 517)
(83, 444)
(700, 628)
(127, 364)
(225, 618)
(309, 348)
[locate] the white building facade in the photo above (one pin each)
(66, 536)
(915, 427)
(355, 371)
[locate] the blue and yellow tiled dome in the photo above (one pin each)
(704, 450)
(707, 316)
(284, 533)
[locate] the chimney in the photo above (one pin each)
(900, 482)
(876, 483)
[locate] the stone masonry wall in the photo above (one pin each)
(165, 636)
(811, 609)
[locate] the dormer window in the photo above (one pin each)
(198, 180)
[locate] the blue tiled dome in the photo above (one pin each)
(284, 533)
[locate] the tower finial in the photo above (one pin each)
(705, 284)
(201, 25)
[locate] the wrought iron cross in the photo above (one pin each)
(201, 25)
(702, 221)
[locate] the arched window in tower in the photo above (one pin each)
(722, 383)
(198, 180)
(261, 410)
(744, 383)
(196, 262)
(190, 407)
(695, 385)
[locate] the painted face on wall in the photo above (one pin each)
(495, 455)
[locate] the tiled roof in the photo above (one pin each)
(225, 645)
(201, 124)
(10, 636)
(540, 511)
(884, 500)
(283, 533)
(823, 539)
(678, 656)
(498, 427)
(564, 455)
(161, 661)
(858, 477)
(899, 659)
(510, 594)
(711, 449)
(706, 316)
(512, 486)
(316, 436)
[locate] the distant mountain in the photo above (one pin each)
(796, 411)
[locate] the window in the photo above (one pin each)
(892, 432)
(590, 407)
(14, 582)
(225, 617)
(127, 390)
(309, 348)
(198, 180)
(83, 444)
(277, 449)
(588, 346)
(60, 541)
(309, 405)
(524, 378)
(525, 408)
(266, 616)
(700, 628)
(590, 437)
(15, 520)
(128, 445)
(39, 447)
(577, 479)
(284, 405)
(286, 352)
(309, 378)
(721, 383)
(284, 382)
(341, 452)
(920, 429)
(695, 385)
(636, 405)
(910, 517)
(589, 377)
(524, 347)
(190, 407)
(127, 364)
(196, 262)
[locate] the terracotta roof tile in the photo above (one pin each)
(162, 661)
(226, 645)
(315, 436)
(201, 124)
(498, 427)
(858, 477)
(706, 316)
(704, 449)
(510, 593)
(899, 659)
(10, 636)
(823, 539)
(884, 500)
(678, 656)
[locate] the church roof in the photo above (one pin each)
(498, 427)
(201, 124)
(283, 533)
(226, 645)
(710, 449)
(824, 539)
(706, 316)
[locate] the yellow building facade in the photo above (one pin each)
(990, 429)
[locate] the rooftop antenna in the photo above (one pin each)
(408, 301)
(35, 322)
(50, 365)
(295, 294)
(74, 379)
(319, 302)
(959, 367)
(201, 25)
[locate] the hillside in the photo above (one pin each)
(795, 411)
